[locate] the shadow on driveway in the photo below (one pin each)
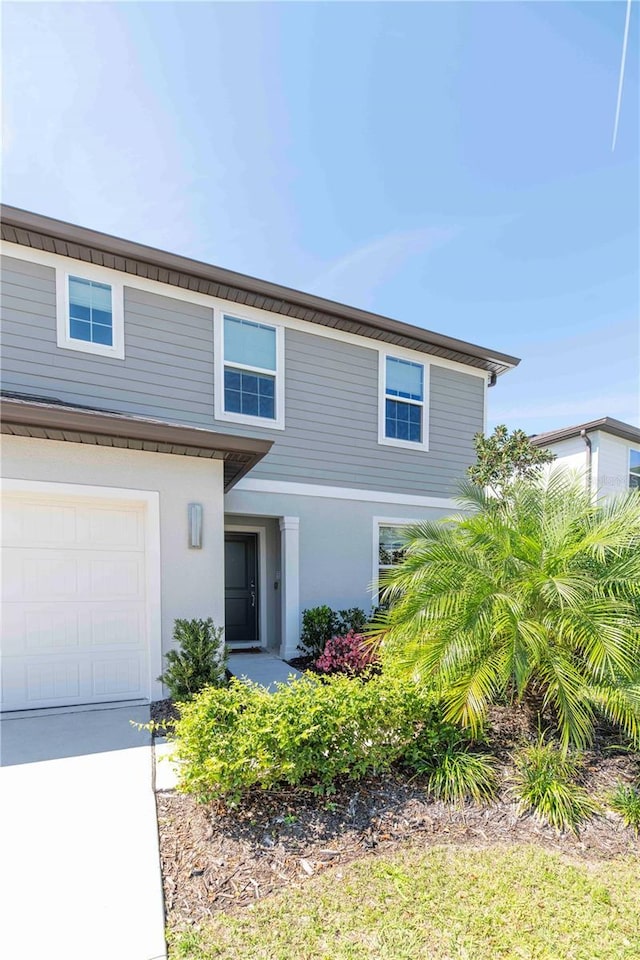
(35, 737)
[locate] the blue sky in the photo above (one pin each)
(447, 164)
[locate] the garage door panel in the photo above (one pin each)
(53, 680)
(43, 682)
(33, 682)
(38, 523)
(115, 576)
(116, 677)
(117, 628)
(48, 577)
(44, 628)
(74, 601)
(41, 631)
(62, 575)
(52, 522)
(117, 529)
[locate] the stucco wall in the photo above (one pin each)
(337, 549)
(192, 581)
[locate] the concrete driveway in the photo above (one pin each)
(80, 871)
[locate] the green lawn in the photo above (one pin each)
(447, 903)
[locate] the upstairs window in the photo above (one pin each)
(403, 391)
(90, 311)
(252, 372)
(90, 314)
(634, 469)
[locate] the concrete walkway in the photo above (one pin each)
(80, 874)
(262, 668)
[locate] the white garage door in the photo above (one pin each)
(74, 601)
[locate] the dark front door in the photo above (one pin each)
(241, 588)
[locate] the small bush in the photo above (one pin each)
(443, 752)
(353, 620)
(459, 774)
(319, 624)
(199, 661)
(545, 783)
(352, 654)
(309, 732)
(626, 801)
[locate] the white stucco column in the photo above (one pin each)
(290, 563)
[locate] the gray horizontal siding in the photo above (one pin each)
(331, 434)
(168, 367)
(331, 389)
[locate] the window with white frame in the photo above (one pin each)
(90, 314)
(391, 546)
(90, 311)
(402, 412)
(634, 469)
(252, 372)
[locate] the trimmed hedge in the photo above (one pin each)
(311, 731)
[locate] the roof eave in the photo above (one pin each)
(617, 428)
(56, 421)
(24, 224)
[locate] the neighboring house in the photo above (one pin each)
(605, 451)
(184, 441)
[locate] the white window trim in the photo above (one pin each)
(382, 397)
(278, 374)
(384, 522)
(65, 341)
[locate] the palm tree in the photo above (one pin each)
(534, 597)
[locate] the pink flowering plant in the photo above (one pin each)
(352, 654)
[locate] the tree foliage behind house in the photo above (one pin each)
(503, 458)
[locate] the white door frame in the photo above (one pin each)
(262, 580)
(151, 501)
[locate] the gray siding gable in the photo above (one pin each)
(331, 389)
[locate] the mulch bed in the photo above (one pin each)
(218, 860)
(302, 664)
(163, 711)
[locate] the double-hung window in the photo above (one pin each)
(90, 314)
(634, 469)
(402, 402)
(252, 374)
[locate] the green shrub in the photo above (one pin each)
(443, 752)
(199, 660)
(354, 619)
(545, 782)
(319, 624)
(459, 774)
(311, 731)
(626, 801)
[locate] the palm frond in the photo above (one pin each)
(540, 591)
